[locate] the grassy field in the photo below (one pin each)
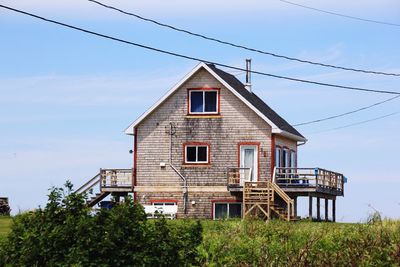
(5, 223)
(278, 243)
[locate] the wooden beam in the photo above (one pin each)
(310, 207)
(318, 209)
(333, 210)
(326, 209)
(295, 206)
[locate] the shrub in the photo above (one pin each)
(66, 233)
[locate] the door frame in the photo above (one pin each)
(253, 144)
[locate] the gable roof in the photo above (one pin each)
(278, 124)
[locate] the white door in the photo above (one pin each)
(248, 160)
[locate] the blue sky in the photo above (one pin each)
(66, 97)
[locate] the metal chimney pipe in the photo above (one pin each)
(248, 74)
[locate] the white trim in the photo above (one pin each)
(275, 128)
(289, 135)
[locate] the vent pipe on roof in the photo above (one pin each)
(247, 85)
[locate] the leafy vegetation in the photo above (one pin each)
(5, 224)
(278, 243)
(65, 233)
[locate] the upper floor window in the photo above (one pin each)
(203, 101)
(197, 153)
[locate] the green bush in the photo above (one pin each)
(66, 233)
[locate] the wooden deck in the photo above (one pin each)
(288, 184)
(107, 181)
(294, 181)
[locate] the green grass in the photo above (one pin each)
(5, 224)
(304, 243)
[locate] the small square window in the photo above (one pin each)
(196, 154)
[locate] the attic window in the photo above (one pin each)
(203, 101)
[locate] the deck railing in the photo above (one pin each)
(237, 176)
(308, 177)
(116, 178)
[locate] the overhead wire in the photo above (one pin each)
(346, 113)
(340, 15)
(356, 123)
(200, 59)
(235, 68)
(242, 46)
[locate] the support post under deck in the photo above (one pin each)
(295, 206)
(310, 207)
(318, 209)
(333, 210)
(326, 209)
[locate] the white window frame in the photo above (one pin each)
(228, 203)
(172, 203)
(197, 148)
(204, 101)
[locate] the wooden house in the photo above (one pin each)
(213, 149)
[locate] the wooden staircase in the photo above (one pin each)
(108, 181)
(260, 200)
(88, 188)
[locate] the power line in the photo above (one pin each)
(347, 113)
(357, 123)
(200, 59)
(340, 15)
(241, 46)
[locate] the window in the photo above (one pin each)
(278, 153)
(203, 101)
(197, 153)
(227, 210)
(285, 158)
(164, 203)
(293, 159)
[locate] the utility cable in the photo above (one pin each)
(357, 123)
(200, 59)
(346, 113)
(242, 46)
(340, 15)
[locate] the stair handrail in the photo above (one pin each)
(285, 197)
(89, 184)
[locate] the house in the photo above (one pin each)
(213, 149)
